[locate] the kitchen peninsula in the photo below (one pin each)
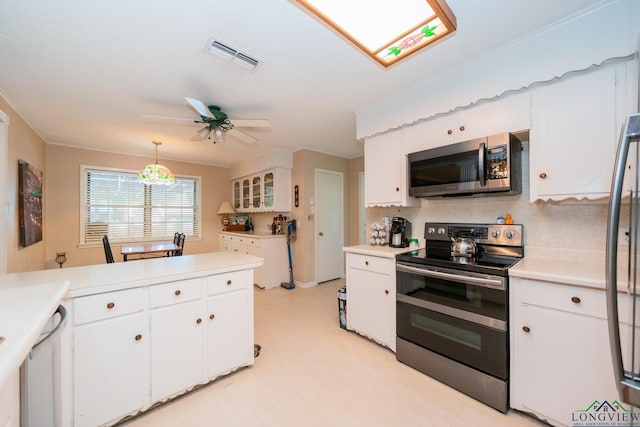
(136, 333)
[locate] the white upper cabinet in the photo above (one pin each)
(385, 171)
(507, 114)
(574, 134)
(267, 191)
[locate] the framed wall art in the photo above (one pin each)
(30, 203)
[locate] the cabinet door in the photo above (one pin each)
(573, 137)
(369, 296)
(385, 171)
(268, 179)
(110, 369)
(429, 134)
(236, 194)
(229, 338)
(256, 192)
(281, 189)
(562, 363)
(177, 345)
(508, 114)
(246, 194)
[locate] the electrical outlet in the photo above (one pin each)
(623, 237)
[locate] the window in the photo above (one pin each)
(116, 204)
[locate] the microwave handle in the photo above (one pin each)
(482, 154)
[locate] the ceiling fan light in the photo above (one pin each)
(204, 132)
(218, 134)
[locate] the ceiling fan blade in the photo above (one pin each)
(244, 137)
(199, 106)
(251, 123)
(163, 119)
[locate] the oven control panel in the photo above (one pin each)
(493, 234)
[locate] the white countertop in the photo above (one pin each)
(27, 300)
(379, 251)
(24, 311)
(571, 267)
(92, 279)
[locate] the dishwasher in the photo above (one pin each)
(40, 377)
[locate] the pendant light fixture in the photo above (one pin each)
(156, 173)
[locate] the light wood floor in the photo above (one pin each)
(312, 373)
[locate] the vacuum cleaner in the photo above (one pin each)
(291, 235)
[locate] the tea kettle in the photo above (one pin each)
(463, 247)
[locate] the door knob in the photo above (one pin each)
(321, 234)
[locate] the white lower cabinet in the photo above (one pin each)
(560, 360)
(110, 377)
(371, 297)
(273, 249)
(133, 348)
(225, 327)
(176, 323)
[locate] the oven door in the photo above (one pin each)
(460, 315)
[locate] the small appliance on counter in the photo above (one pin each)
(400, 232)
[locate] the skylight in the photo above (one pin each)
(386, 31)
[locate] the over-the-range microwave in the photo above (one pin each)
(488, 165)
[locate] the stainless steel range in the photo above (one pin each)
(452, 307)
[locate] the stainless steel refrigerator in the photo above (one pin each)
(622, 274)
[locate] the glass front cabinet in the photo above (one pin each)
(267, 191)
(236, 194)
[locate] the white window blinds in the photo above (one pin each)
(116, 204)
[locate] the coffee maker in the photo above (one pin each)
(399, 233)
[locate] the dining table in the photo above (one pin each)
(143, 249)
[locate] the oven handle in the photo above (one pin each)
(62, 312)
(480, 281)
(479, 319)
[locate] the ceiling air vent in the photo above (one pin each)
(229, 53)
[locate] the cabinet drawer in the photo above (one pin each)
(372, 263)
(573, 299)
(176, 292)
(105, 306)
(229, 281)
(242, 240)
(252, 241)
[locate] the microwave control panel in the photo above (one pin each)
(498, 162)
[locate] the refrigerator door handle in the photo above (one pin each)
(627, 382)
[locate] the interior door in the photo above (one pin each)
(329, 202)
(4, 130)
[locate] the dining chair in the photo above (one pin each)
(107, 249)
(176, 238)
(180, 243)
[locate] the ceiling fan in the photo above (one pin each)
(216, 123)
